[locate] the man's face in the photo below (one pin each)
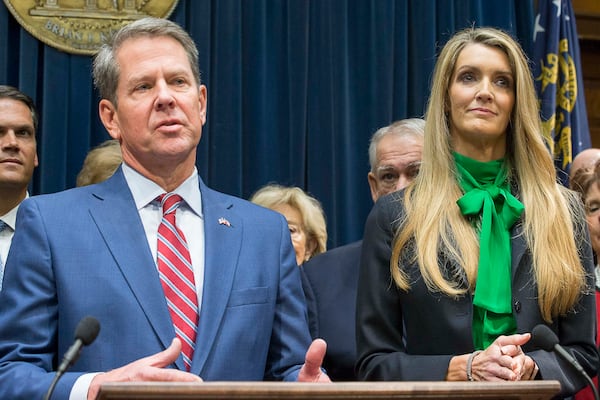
(592, 211)
(161, 107)
(398, 161)
(18, 156)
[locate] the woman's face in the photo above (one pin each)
(592, 210)
(297, 231)
(481, 100)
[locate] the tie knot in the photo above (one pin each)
(169, 202)
(3, 225)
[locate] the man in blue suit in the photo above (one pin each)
(18, 159)
(93, 250)
(330, 279)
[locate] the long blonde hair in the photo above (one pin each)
(433, 224)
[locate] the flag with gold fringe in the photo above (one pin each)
(559, 82)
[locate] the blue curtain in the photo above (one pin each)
(295, 88)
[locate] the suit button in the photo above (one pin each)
(517, 306)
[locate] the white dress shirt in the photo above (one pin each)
(188, 217)
(10, 219)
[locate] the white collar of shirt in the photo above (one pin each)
(145, 191)
(10, 218)
(189, 220)
(189, 217)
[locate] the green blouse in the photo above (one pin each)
(494, 210)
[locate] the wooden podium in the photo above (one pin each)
(522, 390)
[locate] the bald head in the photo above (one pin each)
(586, 159)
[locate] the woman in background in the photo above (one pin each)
(304, 215)
(100, 163)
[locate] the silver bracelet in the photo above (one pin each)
(470, 364)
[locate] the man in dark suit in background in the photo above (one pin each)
(330, 279)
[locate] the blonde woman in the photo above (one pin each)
(100, 163)
(304, 215)
(457, 269)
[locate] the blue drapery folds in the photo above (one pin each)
(558, 79)
(296, 88)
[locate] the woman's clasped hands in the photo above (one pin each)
(504, 360)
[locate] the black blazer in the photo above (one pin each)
(329, 282)
(413, 335)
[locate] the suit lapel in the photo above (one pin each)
(118, 221)
(223, 237)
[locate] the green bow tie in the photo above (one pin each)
(487, 195)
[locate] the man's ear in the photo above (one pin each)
(373, 185)
(109, 118)
(202, 99)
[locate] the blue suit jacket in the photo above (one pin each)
(330, 282)
(84, 252)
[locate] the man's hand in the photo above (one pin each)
(311, 370)
(151, 368)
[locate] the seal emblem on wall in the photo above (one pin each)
(81, 26)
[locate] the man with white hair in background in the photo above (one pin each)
(330, 279)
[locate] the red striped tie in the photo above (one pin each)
(177, 277)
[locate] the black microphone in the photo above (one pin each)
(85, 333)
(543, 338)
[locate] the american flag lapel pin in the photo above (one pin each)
(224, 221)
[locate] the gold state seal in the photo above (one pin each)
(81, 26)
